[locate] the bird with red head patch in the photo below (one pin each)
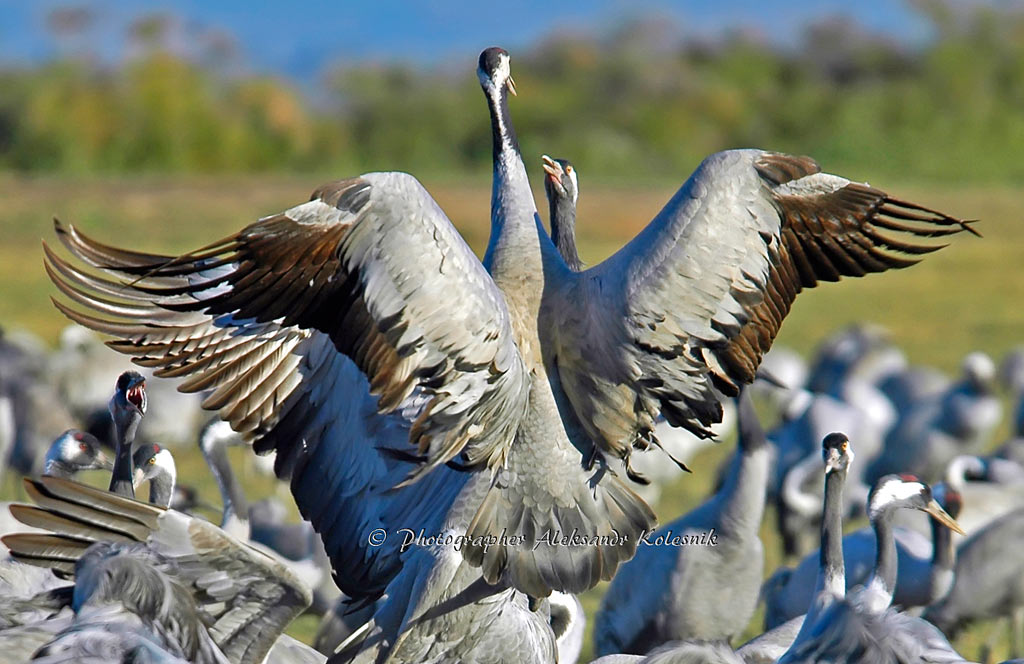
(127, 407)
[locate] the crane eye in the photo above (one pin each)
(568, 169)
(152, 460)
(83, 447)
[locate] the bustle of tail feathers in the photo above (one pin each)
(515, 537)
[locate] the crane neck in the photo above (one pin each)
(161, 489)
(878, 591)
(235, 517)
(831, 566)
(125, 427)
(519, 248)
(563, 231)
(943, 561)
(830, 584)
(743, 493)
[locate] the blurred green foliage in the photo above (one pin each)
(638, 102)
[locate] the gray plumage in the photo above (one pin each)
(798, 484)
(924, 569)
(847, 635)
(674, 446)
(694, 652)
(960, 420)
(127, 407)
(263, 524)
(155, 464)
(861, 627)
(696, 591)
(561, 186)
(244, 599)
(768, 647)
(988, 581)
(830, 580)
(518, 368)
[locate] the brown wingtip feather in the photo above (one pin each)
(851, 231)
(966, 225)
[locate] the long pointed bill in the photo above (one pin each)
(103, 462)
(553, 169)
(511, 85)
(940, 515)
(138, 477)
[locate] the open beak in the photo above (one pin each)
(940, 515)
(554, 171)
(136, 395)
(511, 85)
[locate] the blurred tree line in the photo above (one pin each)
(638, 102)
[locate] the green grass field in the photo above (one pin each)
(964, 298)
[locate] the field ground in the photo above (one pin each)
(967, 297)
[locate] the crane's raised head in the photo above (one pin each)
(895, 491)
(836, 452)
(131, 392)
(561, 181)
(494, 70)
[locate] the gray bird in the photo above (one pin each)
(155, 464)
(830, 583)
(988, 581)
(960, 420)
(989, 486)
(31, 596)
(798, 484)
(517, 367)
(240, 597)
(127, 407)
(675, 446)
(129, 609)
(924, 569)
(562, 188)
(704, 590)
(70, 453)
(861, 627)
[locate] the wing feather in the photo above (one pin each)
(372, 263)
(267, 321)
(696, 299)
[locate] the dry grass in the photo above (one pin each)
(961, 299)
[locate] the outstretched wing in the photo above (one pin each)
(247, 597)
(291, 324)
(370, 262)
(696, 299)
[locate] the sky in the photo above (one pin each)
(302, 39)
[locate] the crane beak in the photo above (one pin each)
(554, 171)
(511, 85)
(138, 477)
(552, 167)
(940, 515)
(103, 462)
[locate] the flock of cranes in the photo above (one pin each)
(504, 409)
